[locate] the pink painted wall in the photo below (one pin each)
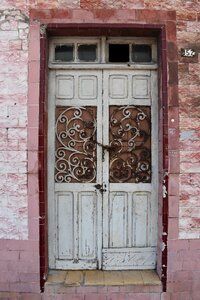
(19, 121)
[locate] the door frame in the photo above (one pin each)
(104, 29)
(57, 73)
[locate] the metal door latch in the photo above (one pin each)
(101, 187)
(106, 147)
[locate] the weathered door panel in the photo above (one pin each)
(74, 157)
(102, 169)
(130, 169)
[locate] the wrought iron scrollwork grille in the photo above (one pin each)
(130, 144)
(75, 152)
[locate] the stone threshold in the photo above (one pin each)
(89, 278)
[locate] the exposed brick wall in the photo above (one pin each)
(184, 212)
(19, 244)
(184, 269)
(19, 205)
(14, 30)
(19, 264)
(189, 80)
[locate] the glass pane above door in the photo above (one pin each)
(87, 53)
(64, 53)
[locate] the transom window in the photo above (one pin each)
(103, 50)
(76, 53)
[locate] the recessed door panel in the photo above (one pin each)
(118, 86)
(141, 86)
(118, 212)
(65, 219)
(87, 87)
(87, 219)
(141, 219)
(65, 87)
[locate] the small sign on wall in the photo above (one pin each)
(187, 52)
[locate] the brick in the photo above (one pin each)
(97, 297)
(15, 45)
(186, 15)
(141, 289)
(34, 30)
(29, 256)
(191, 265)
(189, 201)
(174, 264)
(171, 31)
(193, 26)
(9, 276)
(33, 115)
(118, 296)
(104, 14)
(190, 145)
(173, 187)
(8, 35)
(23, 267)
(34, 228)
(65, 297)
(33, 93)
(60, 289)
(19, 245)
(30, 287)
(189, 233)
(165, 296)
(16, 56)
(195, 295)
(182, 276)
(189, 161)
(33, 162)
(8, 296)
(23, 33)
(29, 277)
(86, 290)
(173, 73)
(34, 50)
(29, 296)
(125, 14)
(34, 74)
(9, 255)
(174, 164)
(196, 285)
(173, 229)
(172, 51)
(33, 139)
(194, 244)
(182, 296)
(33, 207)
(173, 135)
(192, 212)
(181, 26)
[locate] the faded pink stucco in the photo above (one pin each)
(19, 122)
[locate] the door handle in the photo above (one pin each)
(100, 187)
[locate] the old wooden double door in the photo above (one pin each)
(102, 161)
